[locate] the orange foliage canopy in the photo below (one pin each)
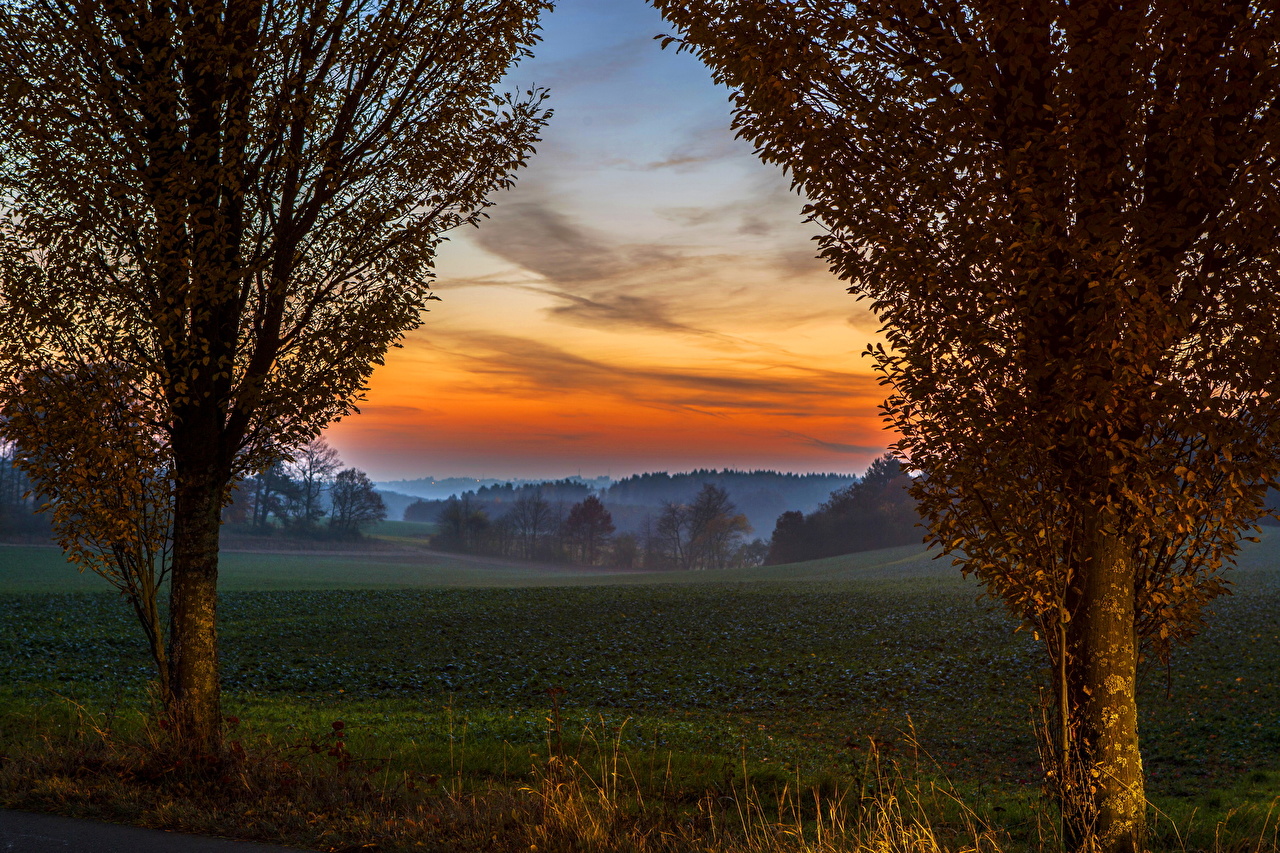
(1068, 220)
(1067, 216)
(96, 454)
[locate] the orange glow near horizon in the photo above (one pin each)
(504, 379)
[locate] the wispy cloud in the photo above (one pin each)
(566, 436)
(385, 410)
(621, 309)
(700, 146)
(595, 279)
(834, 446)
(543, 240)
(597, 67)
(763, 208)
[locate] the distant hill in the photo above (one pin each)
(759, 495)
(437, 490)
(395, 502)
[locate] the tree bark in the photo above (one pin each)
(1108, 811)
(196, 709)
(147, 608)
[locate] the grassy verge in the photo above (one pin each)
(344, 786)
(295, 776)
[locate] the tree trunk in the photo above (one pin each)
(147, 609)
(1107, 813)
(196, 711)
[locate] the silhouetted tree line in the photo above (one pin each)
(758, 495)
(568, 490)
(705, 533)
(311, 495)
(497, 499)
(874, 512)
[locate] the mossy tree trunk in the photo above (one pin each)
(201, 480)
(1103, 800)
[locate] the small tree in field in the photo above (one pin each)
(702, 534)
(670, 539)
(93, 450)
(532, 518)
(588, 528)
(625, 553)
(1067, 216)
(715, 528)
(273, 491)
(463, 524)
(354, 503)
(237, 204)
(314, 466)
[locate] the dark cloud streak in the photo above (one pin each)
(834, 446)
(590, 274)
(619, 309)
(540, 369)
(545, 241)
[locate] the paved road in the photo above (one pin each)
(22, 832)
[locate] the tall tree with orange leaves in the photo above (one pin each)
(236, 204)
(1067, 217)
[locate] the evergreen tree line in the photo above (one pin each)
(312, 495)
(874, 512)
(658, 485)
(758, 495)
(705, 533)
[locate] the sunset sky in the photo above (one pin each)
(646, 298)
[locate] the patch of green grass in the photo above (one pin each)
(801, 671)
(35, 568)
(1247, 807)
(25, 569)
(406, 529)
(355, 783)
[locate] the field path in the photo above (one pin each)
(24, 832)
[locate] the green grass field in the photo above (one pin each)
(789, 667)
(42, 569)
